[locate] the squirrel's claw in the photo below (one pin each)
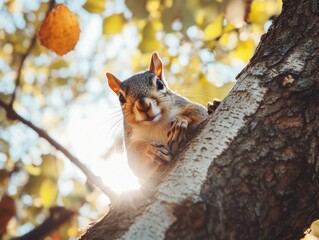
(177, 134)
(211, 107)
(159, 154)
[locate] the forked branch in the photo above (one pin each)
(92, 178)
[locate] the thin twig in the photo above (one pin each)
(24, 57)
(92, 178)
(19, 70)
(13, 115)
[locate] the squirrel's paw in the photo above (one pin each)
(211, 107)
(159, 154)
(177, 134)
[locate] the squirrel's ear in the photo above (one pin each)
(156, 65)
(113, 82)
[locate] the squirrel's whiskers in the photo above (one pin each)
(157, 121)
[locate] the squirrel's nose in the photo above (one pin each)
(143, 105)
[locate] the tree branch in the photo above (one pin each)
(92, 178)
(24, 57)
(19, 71)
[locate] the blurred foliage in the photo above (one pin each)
(203, 43)
(113, 24)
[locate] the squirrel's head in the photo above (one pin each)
(145, 97)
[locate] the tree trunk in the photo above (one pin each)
(252, 171)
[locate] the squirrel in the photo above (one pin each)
(157, 120)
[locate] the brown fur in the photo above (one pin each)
(156, 121)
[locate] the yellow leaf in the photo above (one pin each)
(79, 189)
(59, 63)
(113, 24)
(158, 26)
(51, 166)
(200, 17)
(94, 6)
(75, 199)
(153, 5)
(257, 28)
(167, 3)
(228, 40)
(73, 230)
(60, 30)
(33, 170)
(33, 185)
(261, 11)
(72, 202)
(244, 50)
(229, 27)
(48, 193)
(149, 42)
(214, 29)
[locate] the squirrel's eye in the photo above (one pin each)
(122, 98)
(159, 84)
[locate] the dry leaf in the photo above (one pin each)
(60, 30)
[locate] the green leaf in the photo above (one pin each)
(113, 24)
(94, 6)
(48, 192)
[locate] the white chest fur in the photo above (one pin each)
(155, 132)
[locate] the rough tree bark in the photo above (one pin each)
(252, 171)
